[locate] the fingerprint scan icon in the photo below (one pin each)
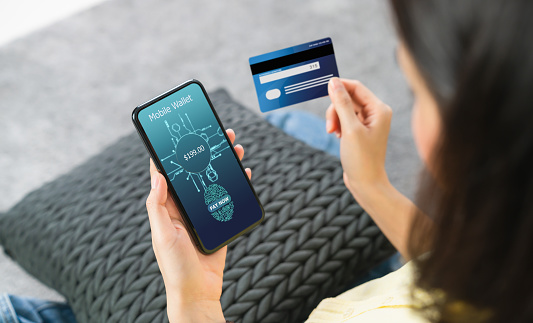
(219, 202)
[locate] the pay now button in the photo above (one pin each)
(219, 203)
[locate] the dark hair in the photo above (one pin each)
(476, 57)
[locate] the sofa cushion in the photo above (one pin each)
(87, 235)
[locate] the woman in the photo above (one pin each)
(470, 66)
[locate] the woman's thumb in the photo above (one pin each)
(160, 222)
(343, 103)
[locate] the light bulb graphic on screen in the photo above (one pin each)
(194, 150)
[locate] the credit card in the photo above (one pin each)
(293, 75)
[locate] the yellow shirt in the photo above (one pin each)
(386, 299)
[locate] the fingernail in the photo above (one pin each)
(328, 125)
(155, 181)
(336, 83)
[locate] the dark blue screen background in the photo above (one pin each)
(196, 119)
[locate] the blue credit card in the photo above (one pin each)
(293, 75)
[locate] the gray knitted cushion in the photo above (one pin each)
(87, 234)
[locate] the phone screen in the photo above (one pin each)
(200, 164)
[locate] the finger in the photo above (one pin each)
(248, 172)
(166, 232)
(370, 103)
(332, 120)
(231, 135)
(155, 204)
(153, 168)
(172, 209)
(240, 151)
(343, 104)
(359, 92)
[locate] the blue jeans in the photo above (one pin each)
(301, 125)
(307, 128)
(15, 309)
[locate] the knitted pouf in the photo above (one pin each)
(87, 234)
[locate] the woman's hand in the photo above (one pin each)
(362, 122)
(193, 281)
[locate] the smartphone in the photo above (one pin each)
(190, 147)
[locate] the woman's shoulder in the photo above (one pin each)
(386, 299)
